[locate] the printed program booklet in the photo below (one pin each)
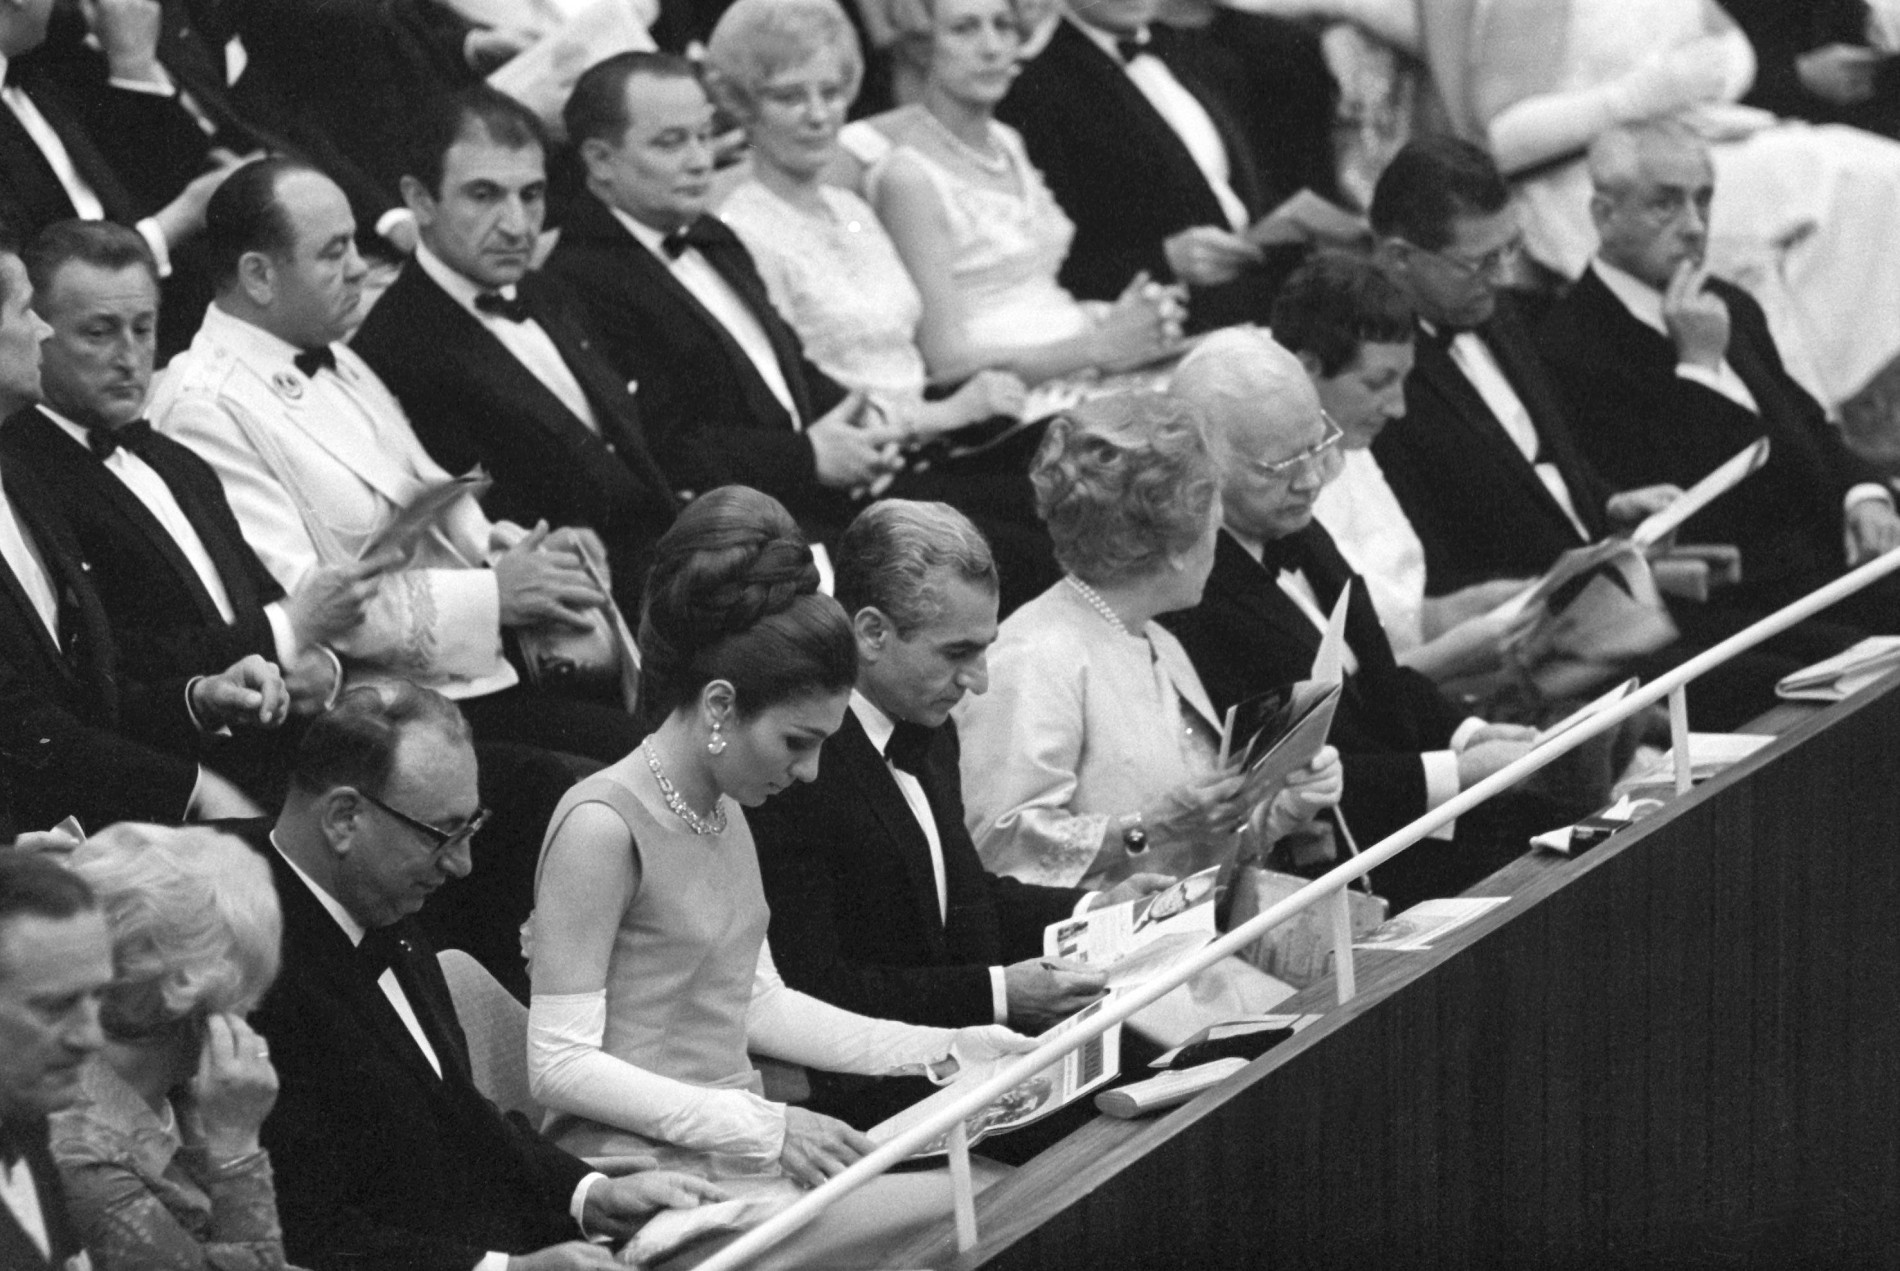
(1138, 939)
(1069, 1078)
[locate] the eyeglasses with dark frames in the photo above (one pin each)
(442, 841)
(1484, 266)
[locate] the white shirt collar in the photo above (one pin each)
(877, 725)
(1108, 41)
(461, 288)
(249, 341)
(351, 927)
(1642, 300)
(650, 238)
(77, 432)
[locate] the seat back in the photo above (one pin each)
(497, 1028)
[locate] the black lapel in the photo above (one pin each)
(615, 409)
(127, 505)
(874, 780)
(601, 226)
(87, 161)
(734, 264)
(1483, 429)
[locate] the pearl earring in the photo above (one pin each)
(716, 744)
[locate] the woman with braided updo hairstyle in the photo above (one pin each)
(1095, 752)
(652, 978)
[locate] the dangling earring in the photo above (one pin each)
(716, 744)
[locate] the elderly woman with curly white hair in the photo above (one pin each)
(160, 1157)
(1094, 752)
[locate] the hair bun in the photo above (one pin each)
(735, 556)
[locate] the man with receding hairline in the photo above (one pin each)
(491, 362)
(317, 457)
(55, 961)
(1667, 371)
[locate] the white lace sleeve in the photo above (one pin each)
(569, 1072)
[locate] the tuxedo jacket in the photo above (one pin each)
(710, 418)
(1638, 423)
(349, 77)
(1123, 176)
(379, 1162)
(1477, 503)
(121, 164)
(1247, 637)
(1271, 75)
(67, 715)
(473, 402)
(18, 1252)
(163, 619)
(854, 900)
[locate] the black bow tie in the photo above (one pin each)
(310, 361)
(132, 436)
(496, 305)
(1282, 555)
(697, 234)
(908, 745)
(1439, 337)
(1131, 47)
(381, 950)
(15, 1138)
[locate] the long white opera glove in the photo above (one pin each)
(569, 1072)
(800, 1029)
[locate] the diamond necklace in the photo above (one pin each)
(1096, 602)
(676, 802)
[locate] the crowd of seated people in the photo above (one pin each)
(617, 551)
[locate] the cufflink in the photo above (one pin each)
(633, 386)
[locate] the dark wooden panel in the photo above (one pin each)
(1682, 1049)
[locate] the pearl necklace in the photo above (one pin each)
(676, 802)
(1096, 602)
(992, 160)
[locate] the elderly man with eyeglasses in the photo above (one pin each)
(386, 1154)
(1277, 574)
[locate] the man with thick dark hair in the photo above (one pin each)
(55, 962)
(386, 1154)
(879, 902)
(491, 362)
(317, 458)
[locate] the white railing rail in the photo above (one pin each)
(1332, 884)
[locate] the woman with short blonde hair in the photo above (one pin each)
(160, 1157)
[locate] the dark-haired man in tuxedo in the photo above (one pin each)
(879, 901)
(55, 962)
(680, 310)
(1668, 371)
(489, 361)
(386, 1154)
(68, 713)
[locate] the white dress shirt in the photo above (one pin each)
(878, 727)
(79, 192)
(150, 489)
(21, 1195)
(1183, 112)
(392, 989)
(23, 558)
(532, 346)
(1440, 766)
(696, 274)
(1474, 358)
(1644, 303)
